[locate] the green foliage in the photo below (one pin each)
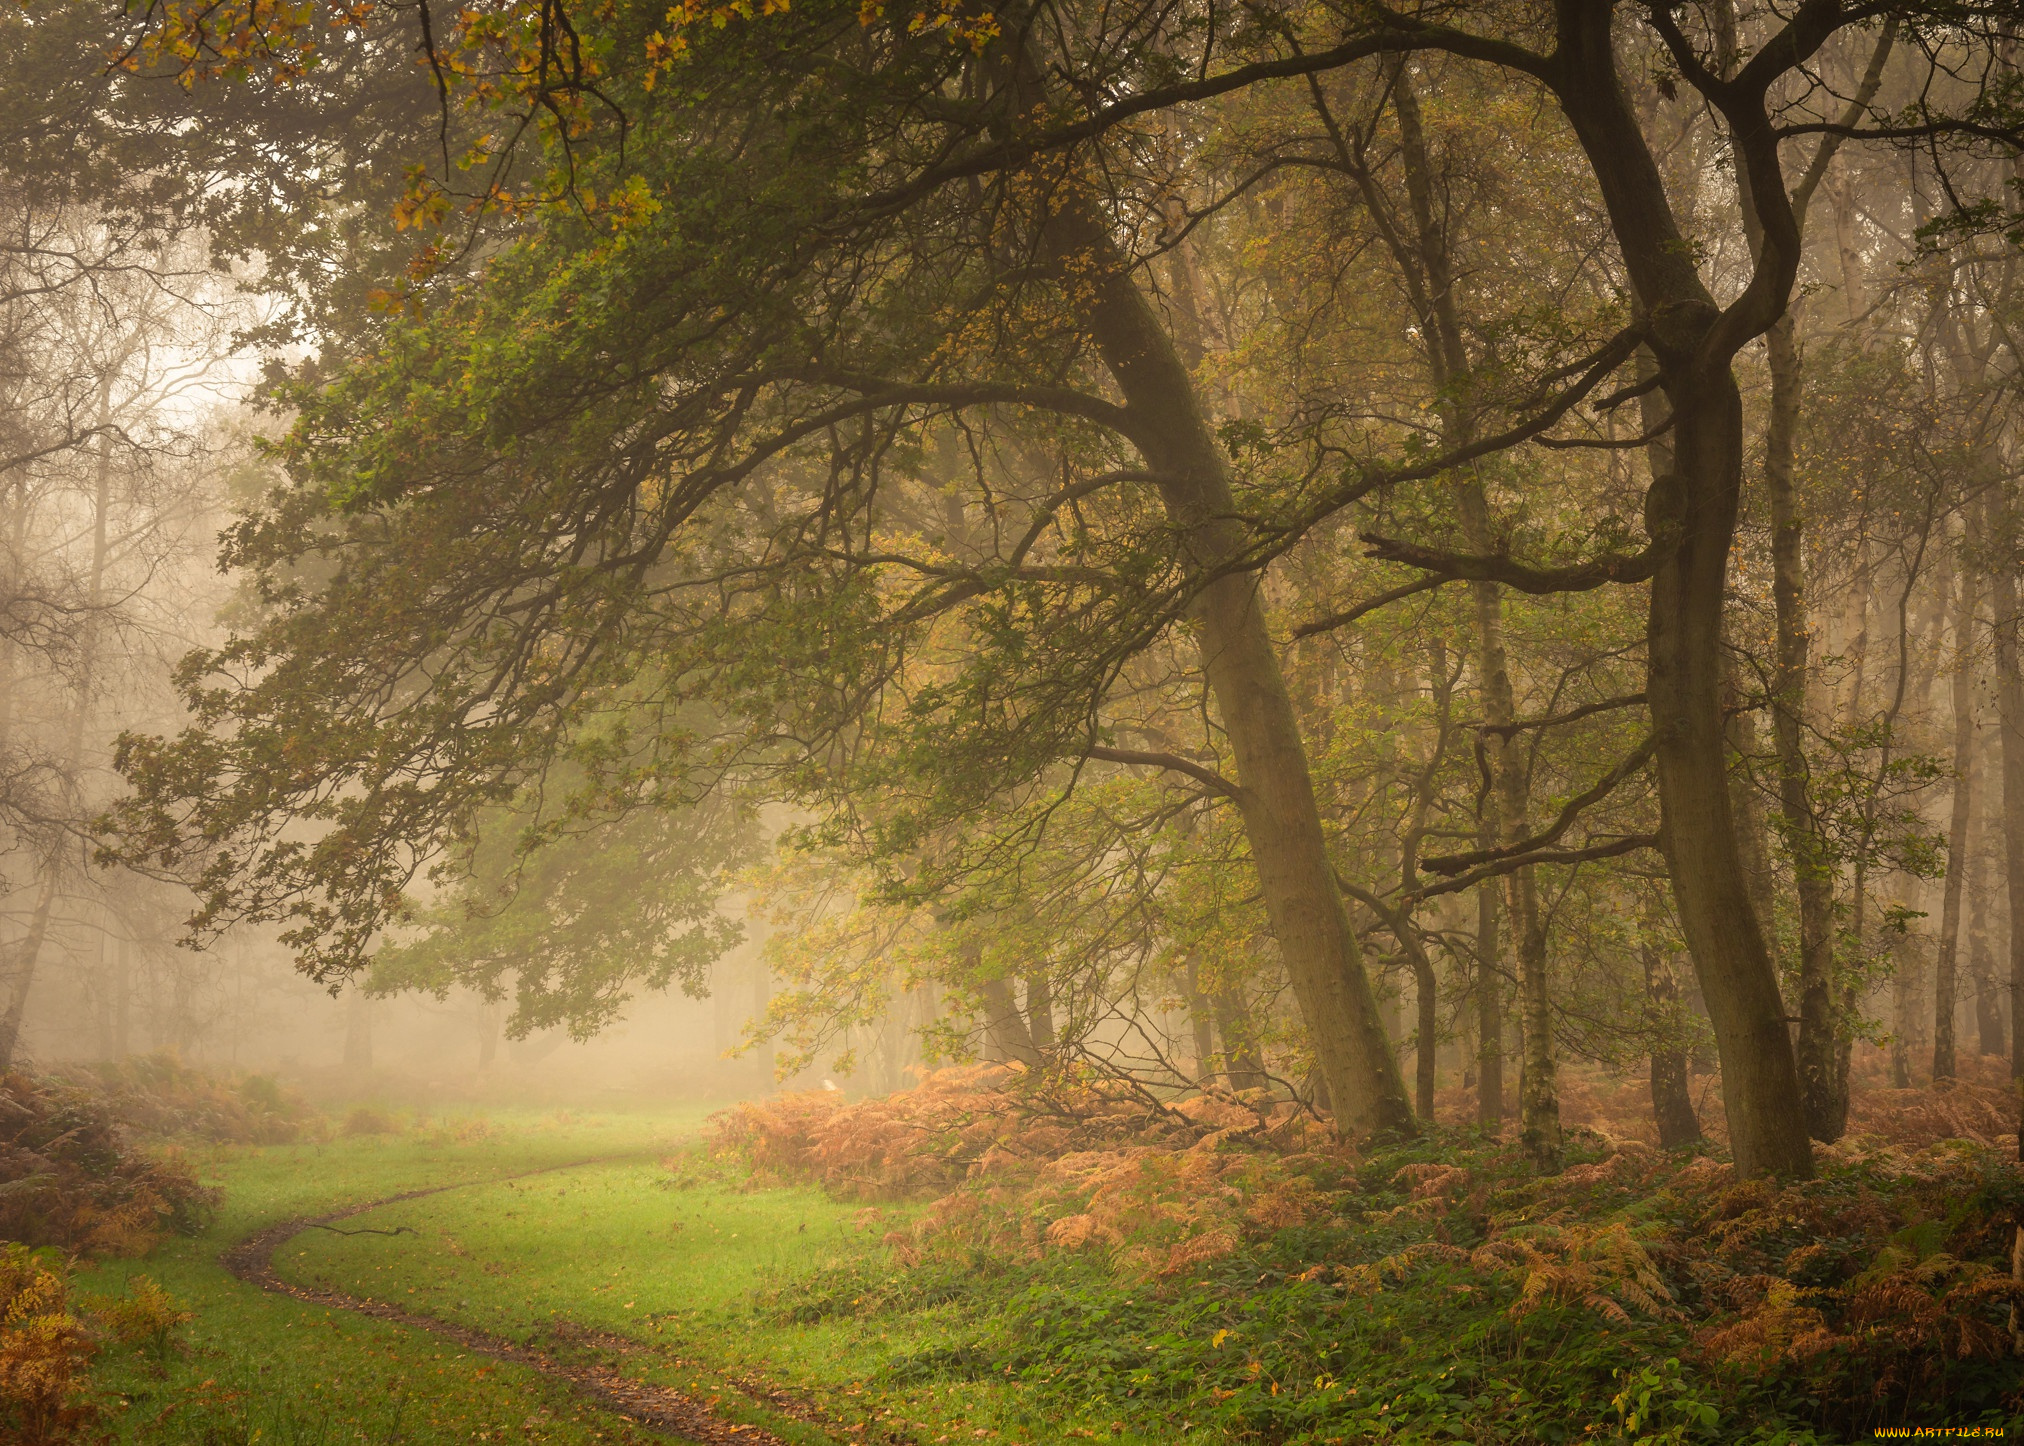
(574, 918)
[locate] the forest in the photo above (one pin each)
(830, 721)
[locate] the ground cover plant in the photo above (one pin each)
(1433, 1291)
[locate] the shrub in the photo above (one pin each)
(44, 1352)
(161, 1096)
(48, 1343)
(1207, 1264)
(71, 1176)
(365, 1120)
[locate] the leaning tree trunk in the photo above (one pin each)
(1282, 818)
(1695, 511)
(1945, 990)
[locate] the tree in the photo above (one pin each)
(681, 406)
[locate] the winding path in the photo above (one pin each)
(661, 1407)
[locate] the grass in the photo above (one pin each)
(703, 1272)
(725, 1289)
(268, 1369)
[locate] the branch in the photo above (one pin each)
(1363, 609)
(1579, 577)
(1629, 843)
(1401, 35)
(1601, 789)
(1396, 919)
(1628, 700)
(891, 392)
(1865, 92)
(1207, 777)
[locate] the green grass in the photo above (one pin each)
(265, 1368)
(704, 1273)
(723, 1287)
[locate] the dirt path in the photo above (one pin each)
(660, 1407)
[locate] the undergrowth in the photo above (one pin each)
(1203, 1273)
(71, 1175)
(161, 1097)
(50, 1335)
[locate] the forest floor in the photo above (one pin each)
(563, 1239)
(562, 1274)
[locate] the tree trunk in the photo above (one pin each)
(1432, 285)
(1751, 827)
(1944, 988)
(1907, 986)
(1826, 1110)
(1282, 819)
(1489, 1007)
(1201, 1023)
(1426, 1037)
(1691, 513)
(1040, 1011)
(2010, 717)
(1243, 1065)
(1538, 1096)
(1004, 1026)
(1698, 506)
(20, 978)
(1989, 1037)
(1672, 1100)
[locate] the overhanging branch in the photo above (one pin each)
(1499, 568)
(1207, 777)
(1629, 843)
(1601, 789)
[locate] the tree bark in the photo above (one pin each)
(1945, 991)
(1426, 1037)
(1201, 1023)
(1004, 1026)
(1989, 1033)
(1040, 1011)
(1672, 1100)
(1538, 1095)
(1282, 818)
(20, 977)
(1432, 286)
(1243, 1064)
(2010, 718)
(1691, 514)
(1489, 1007)
(1825, 1107)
